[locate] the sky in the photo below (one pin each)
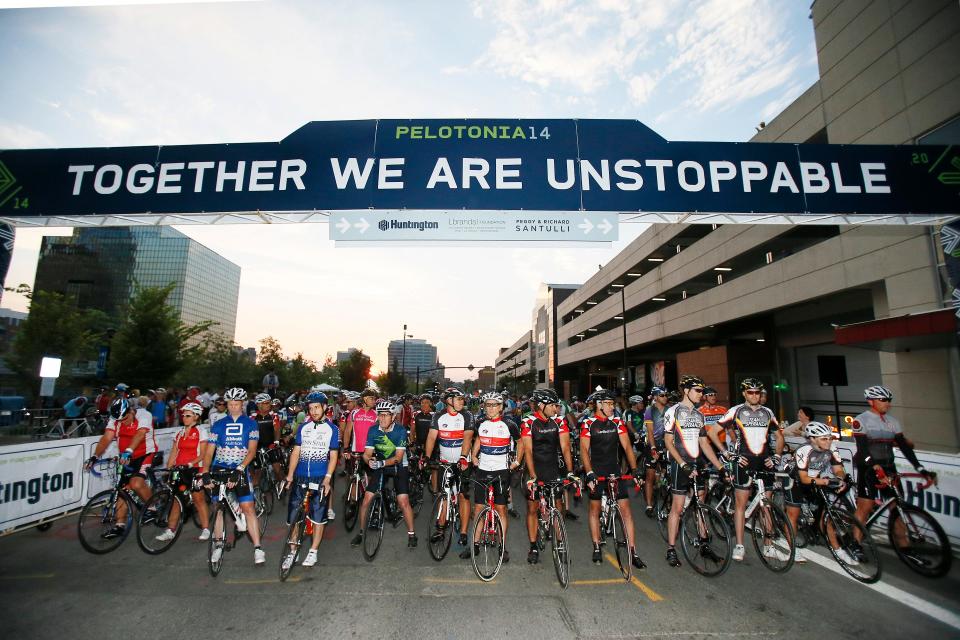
(195, 73)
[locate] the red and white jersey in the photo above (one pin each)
(495, 445)
(127, 430)
(188, 443)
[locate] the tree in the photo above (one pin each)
(270, 357)
(221, 364)
(299, 373)
(330, 374)
(152, 344)
(56, 328)
(355, 371)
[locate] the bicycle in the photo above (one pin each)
(611, 524)
(488, 539)
(300, 527)
(100, 516)
(446, 513)
(354, 493)
(662, 498)
(705, 537)
(268, 488)
(226, 507)
(851, 536)
(171, 498)
(928, 551)
(418, 480)
(380, 509)
(550, 525)
(770, 529)
(91, 424)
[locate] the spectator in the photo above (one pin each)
(103, 401)
(804, 415)
(73, 411)
(158, 408)
(270, 383)
(144, 417)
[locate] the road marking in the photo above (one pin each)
(457, 581)
(652, 595)
(34, 576)
(589, 582)
(936, 612)
(261, 581)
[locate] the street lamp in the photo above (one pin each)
(623, 318)
(403, 356)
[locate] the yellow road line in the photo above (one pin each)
(457, 581)
(34, 576)
(652, 595)
(588, 582)
(273, 581)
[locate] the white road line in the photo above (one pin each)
(936, 612)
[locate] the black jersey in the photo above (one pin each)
(421, 425)
(268, 427)
(603, 435)
(544, 434)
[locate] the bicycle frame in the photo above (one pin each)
(891, 484)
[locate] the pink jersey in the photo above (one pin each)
(362, 420)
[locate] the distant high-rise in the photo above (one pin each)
(418, 353)
(101, 266)
(343, 356)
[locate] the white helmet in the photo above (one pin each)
(351, 395)
(492, 396)
(635, 399)
(236, 393)
(262, 397)
(877, 392)
(385, 406)
(193, 407)
(816, 430)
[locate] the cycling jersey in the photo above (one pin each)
(363, 420)
(127, 430)
(687, 426)
(653, 419)
(451, 428)
(421, 422)
(316, 440)
(544, 434)
(752, 428)
(188, 442)
(232, 438)
(634, 420)
(386, 444)
(711, 415)
(879, 432)
(496, 443)
(603, 436)
(268, 425)
(817, 463)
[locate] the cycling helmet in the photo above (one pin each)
(877, 392)
(603, 394)
(352, 396)
(708, 390)
(751, 383)
(656, 391)
(236, 393)
(192, 407)
(452, 392)
(491, 396)
(690, 382)
(261, 397)
(385, 406)
(275, 403)
(119, 408)
(545, 396)
(121, 387)
(367, 392)
(316, 397)
(635, 399)
(816, 430)
(425, 396)
(407, 396)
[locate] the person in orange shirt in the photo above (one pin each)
(712, 412)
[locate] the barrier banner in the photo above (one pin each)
(40, 482)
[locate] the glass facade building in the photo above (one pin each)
(101, 267)
(419, 353)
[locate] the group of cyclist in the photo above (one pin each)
(590, 444)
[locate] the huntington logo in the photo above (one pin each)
(419, 225)
(383, 225)
(7, 182)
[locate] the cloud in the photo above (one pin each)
(17, 136)
(640, 87)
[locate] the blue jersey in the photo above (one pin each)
(316, 441)
(386, 444)
(232, 438)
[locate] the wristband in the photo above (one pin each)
(128, 450)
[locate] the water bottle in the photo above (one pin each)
(232, 501)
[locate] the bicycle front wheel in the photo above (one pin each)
(373, 532)
(772, 536)
(662, 504)
(860, 559)
(705, 540)
(154, 534)
(620, 545)
(267, 485)
(486, 552)
(218, 537)
(101, 527)
(290, 553)
(351, 506)
(561, 548)
(441, 535)
(928, 548)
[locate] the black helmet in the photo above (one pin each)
(119, 408)
(689, 382)
(369, 392)
(545, 396)
(708, 390)
(452, 392)
(603, 394)
(751, 383)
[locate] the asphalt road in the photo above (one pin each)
(51, 588)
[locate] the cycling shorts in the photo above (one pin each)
(679, 479)
(500, 480)
(741, 480)
(242, 489)
(316, 510)
(867, 481)
(399, 475)
(137, 467)
(623, 486)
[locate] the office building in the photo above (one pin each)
(408, 355)
(100, 267)
(343, 356)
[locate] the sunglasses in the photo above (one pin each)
(884, 399)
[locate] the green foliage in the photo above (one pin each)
(56, 328)
(355, 371)
(152, 344)
(270, 357)
(219, 365)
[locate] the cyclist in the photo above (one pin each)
(313, 459)
(268, 424)
(422, 418)
(543, 436)
(602, 438)
(491, 455)
(685, 436)
(217, 411)
(232, 444)
(633, 421)
(653, 428)
(452, 431)
(817, 463)
(187, 453)
(137, 446)
(359, 422)
(712, 411)
(384, 454)
(751, 424)
(876, 432)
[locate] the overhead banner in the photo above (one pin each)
(485, 165)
